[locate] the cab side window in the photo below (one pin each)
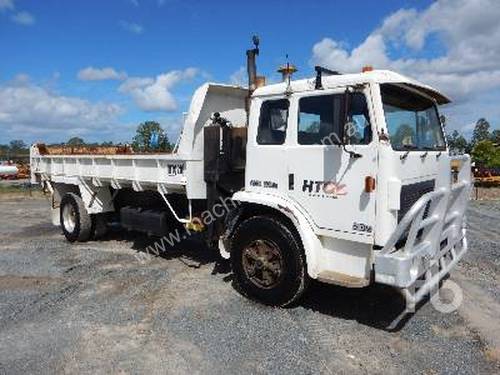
(321, 120)
(273, 122)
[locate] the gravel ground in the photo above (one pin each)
(95, 308)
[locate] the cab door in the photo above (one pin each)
(325, 178)
(266, 171)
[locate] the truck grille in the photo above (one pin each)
(411, 193)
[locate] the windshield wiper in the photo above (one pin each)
(408, 148)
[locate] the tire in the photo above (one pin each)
(76, 222)
(268, 262)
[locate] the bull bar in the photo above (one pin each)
(429, 240)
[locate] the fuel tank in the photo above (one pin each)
(8, 170)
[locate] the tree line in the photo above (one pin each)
(14, 149)
(484, 146)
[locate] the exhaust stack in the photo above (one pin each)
(253, 80)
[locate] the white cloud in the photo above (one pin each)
(100, 74)
(135, 83)
(23, 18)
(331, 53)
(239, 77)
(154, 94)
(172, 126)
(20, 79)
(6, 5)
(132, 27)
(20, 17)
(468, 30)
(29, 110)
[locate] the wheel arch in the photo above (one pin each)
(57, 191)
(252, 204)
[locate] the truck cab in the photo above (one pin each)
(353, 162)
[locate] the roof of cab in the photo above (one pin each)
(333, 81)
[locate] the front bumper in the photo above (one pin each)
(427, 247)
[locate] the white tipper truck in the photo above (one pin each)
(342, 178)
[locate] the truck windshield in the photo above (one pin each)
(412, 120)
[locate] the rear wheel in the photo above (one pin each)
(76, 222)
(268, 262)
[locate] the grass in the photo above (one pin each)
(15, 189)
(11, 189)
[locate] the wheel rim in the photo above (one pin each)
(69, 218)
(263, 263)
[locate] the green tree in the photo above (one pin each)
(452, 140)
(495, 136)
(146, 132)
(18, 146)
(457, 143)
(75, 141)
(461, 144)
(481, 131)
(485, 154)
(4, 151)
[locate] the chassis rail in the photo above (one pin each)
(432, 234)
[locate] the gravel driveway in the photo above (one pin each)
(95, 308)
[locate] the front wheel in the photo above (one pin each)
(76, 222)
(268, 262)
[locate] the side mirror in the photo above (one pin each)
(347, 125)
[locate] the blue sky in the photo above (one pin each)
(97, 68)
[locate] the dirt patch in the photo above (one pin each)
(485, 193)
(27, 282)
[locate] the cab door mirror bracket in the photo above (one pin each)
(347, 125)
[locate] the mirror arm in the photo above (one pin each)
(352, 154)
(347, 104)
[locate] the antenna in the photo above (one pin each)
(286, 71)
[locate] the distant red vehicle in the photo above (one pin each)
(484, 172)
